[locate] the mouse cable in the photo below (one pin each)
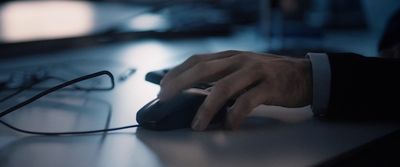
(31, 87)
(53, 89)
(66, 133)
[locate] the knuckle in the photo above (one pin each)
(199, 67)
(232, 52)
(194, 59)
(240, 58)
(257, 65)
(259, 68)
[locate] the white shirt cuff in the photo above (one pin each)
(321, 74)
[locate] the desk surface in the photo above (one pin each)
(271, 136)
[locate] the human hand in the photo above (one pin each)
(252, 78)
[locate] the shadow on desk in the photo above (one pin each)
(247, 146)
(277, 137)
(51, 151)
(167, 148)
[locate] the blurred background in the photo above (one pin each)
(290, 27)
(45, 43)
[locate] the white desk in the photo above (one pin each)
(271, 136)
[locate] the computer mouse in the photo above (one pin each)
(175, 113)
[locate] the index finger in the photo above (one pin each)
(193, 60)
(202, 72)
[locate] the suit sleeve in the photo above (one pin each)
(364, 87)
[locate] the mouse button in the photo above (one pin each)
(151, 112)
(193, 101)
(150, 104)
(162, 109)
(182, 115)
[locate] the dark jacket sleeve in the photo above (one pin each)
(391, 35)
(364, 87)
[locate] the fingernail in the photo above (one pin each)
(160, 95)
(162, 82)
(229, 113)
(197, 125)
(231, 122)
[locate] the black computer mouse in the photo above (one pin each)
(175, 113)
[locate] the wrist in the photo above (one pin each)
(307, 86)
